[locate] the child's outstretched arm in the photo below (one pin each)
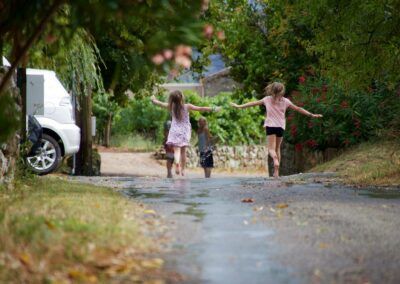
(158, 103)
(303, 111)
(199, 108)
(249, 104)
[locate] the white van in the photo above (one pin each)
(51, 104)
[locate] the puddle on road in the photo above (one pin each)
(136, 193)
(192, 209)
(383, 194)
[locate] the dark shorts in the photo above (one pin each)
(206, 159)
(278, 131)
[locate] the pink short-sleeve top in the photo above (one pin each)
(275, 115)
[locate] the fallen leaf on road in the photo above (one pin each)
(256, 209)
(323, 245)
(272, 209)
(282, 205)
(25, 259)
(150, 211)
(247, 200)
(154, 263)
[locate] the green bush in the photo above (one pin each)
(140, 117)
(230, 125)
(349, 116)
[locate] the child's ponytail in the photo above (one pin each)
(275, 89)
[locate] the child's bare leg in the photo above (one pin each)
(177, 159)
(169, 168)
(272, 153)
(207, 172)
(183, 160)
(278, 148)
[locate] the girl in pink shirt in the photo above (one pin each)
(275, 121)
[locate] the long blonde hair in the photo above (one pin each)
(276, 90)
(176, 102)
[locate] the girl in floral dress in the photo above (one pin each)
(181, 129)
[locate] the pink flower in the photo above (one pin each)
(204, 5)
(168, 54)
(344, 104)
(183, 50)
(311, 143)
(183, 61)
(208, 31)
(298, 147)
(302, 79)
(157, 59)
(221, 35)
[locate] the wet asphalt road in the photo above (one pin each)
(300, 229)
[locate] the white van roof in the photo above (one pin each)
(29, 70)
(5, 62)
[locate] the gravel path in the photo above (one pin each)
(144, 164)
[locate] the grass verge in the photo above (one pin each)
(370, 163)
(134, 143)
(54, 231)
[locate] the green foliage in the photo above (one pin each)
(75, 61)
(264, 42)
(231, 126)
(142, 117)
(356, 41)
(104, 109)
(349, 116)
(134, 142)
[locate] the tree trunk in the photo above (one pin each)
(9, 149)
(107, 132)
(84, 157)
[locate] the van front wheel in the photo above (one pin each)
(47, 157)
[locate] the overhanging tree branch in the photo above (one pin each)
(24, 50)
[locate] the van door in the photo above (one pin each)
(35, 97)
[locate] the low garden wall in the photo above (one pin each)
(235, 157)
(254, 157)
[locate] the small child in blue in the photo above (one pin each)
(205, 147)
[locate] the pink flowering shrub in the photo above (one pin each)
(349, 116)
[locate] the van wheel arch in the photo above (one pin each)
(55, 137)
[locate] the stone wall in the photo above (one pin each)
(296, 162)
(254, 157)
(236, 157)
